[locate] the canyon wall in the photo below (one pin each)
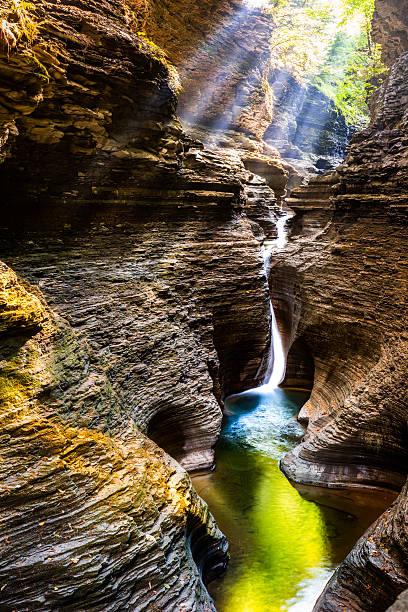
(306, 127)
(234, 95)
(340, 291)
(390, 28)
(133, 298)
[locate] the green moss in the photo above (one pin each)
(20, 32)
(17, 23)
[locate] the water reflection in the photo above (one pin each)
(283, 548)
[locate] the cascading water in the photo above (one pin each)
(275, 370)
(283, 547)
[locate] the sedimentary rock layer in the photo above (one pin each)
(233, 91)
(376, 570)
(305, 127)
(140, 282)
(341, 289)
(87, 520)
(349, 277)
(390, 28)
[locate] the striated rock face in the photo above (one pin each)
(126, 207)
(86, 519)
(140, 301)
(390, 28)
(225, 83)
(376, 570)
(152, 293)
(231, 93)
(221, 50)
(306, 127)
(181, 29)
(222, 53)
(359, 237)
(341, 297)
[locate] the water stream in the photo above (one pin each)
(275, 370)
(283, 548)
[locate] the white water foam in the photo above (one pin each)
(276, 366)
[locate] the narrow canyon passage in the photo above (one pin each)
(284, 545)
(283, 548)
(203, 305)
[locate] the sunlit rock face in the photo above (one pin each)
(114, 175)
(306, 127)
(141, 300)
(233, 93)
(221, 50)
(181, 28)
(87, 519)
(341, 290)
(225, 82)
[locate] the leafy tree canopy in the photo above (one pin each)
(330, 44)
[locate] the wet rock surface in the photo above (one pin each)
(141, 301)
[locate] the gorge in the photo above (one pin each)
(135, 308)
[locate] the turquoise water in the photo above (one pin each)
(283, 548)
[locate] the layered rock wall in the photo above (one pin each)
(140, 279)
(306, 127)
(390, 28)
(232, 95)
(221, 51)
(341, 289)
(87, 519)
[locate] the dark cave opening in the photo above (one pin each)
(167, 430)
(300, 367)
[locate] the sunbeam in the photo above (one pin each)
(225, 76)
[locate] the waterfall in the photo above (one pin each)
(275, 370)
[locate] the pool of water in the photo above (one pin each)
(283, 548)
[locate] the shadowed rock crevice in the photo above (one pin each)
(210, 558)
(300, 367)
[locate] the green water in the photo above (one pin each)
(283, 548)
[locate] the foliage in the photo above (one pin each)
(355, 89)
(362, 8)
(19, 30)
(331, 45)
(351, 81)
(299, 34)
(362, 67)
